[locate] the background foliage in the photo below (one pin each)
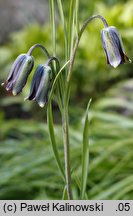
(25, 153)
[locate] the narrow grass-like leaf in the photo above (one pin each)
(85, 154)
(71, 26)
(50, 123)
(59, 2)
(65, 196)
(52, 138)
(52, 14)
(77, 17)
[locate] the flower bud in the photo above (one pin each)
(19, 73)
(40, 85)
(113, 46)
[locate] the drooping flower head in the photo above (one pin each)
(40, 85)
(19, 73)
(113, 46)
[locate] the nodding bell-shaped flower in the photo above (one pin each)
(113, 46)
(19, 73)
(40, 85)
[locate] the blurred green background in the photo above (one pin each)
(27, 165)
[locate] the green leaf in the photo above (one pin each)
(77, 17)
(52, 15)
(65, 196)
(50, 122)
(61, 12)
(52, 139)
(85, 153)
(71, 26)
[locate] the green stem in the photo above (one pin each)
(65, 120)
(59, 2)
(67, 152)
(51, 124)
(52, 16)
(65, 113)
(78, 40)
(38, 46)
(71, 26)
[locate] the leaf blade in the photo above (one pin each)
(85, 153)
(53, 140)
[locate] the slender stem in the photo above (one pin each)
(53, 58)
(71, 26)
(60, 93)
(50, 123)
(40, 46)
(65, 136)
(65, 133)
(65, 111)
(89, 20)
(65, 120)
(59, 2)
(52, 15)
(78, 40)
(67, 153)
